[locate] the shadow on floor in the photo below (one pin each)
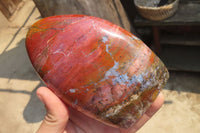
(34, 110)
(15, 65)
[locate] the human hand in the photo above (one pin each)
(63, 119)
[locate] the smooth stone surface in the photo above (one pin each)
(96, 67)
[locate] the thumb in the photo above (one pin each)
(57, 115)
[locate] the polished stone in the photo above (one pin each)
(96, 67)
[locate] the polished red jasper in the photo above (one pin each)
(96, 67)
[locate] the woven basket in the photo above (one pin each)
(156, 13)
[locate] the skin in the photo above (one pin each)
(63, 119)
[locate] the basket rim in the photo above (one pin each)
(156, 8)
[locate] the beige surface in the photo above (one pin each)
(22, 112)
(181, 111)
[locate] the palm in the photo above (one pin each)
(63, 118)
(79, 123)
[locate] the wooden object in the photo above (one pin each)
(181, 58)
(156, 12)
(111, 10)
(8, 7)
(176, 39)
(187, 14)
(96, 67)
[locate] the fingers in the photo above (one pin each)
(156, 105)
(57, 116)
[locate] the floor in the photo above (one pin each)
(22, 112)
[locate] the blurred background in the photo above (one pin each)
(175, 39)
